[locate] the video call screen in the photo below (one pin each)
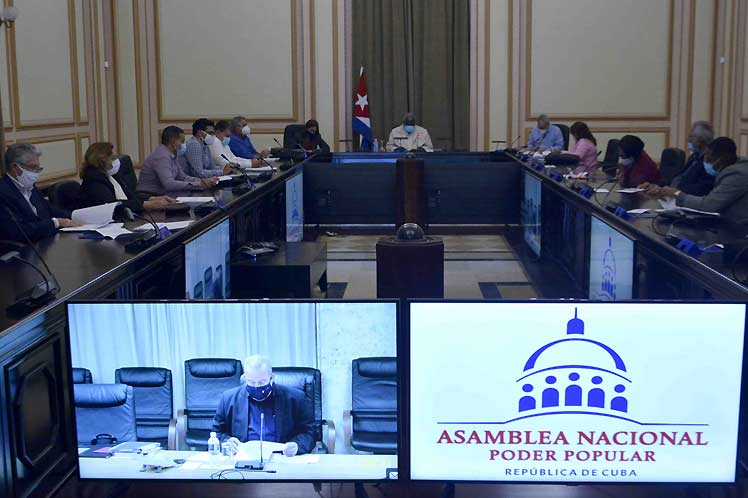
(611, 263)
(575, 392)
(292, 390)
(208, 264)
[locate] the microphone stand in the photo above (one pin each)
(36, 297)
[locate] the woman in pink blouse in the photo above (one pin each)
(585, 148)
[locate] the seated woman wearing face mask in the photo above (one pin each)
(729, 197)
(636, 166)
(100, 184)
(311, 139)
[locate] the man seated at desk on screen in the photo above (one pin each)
(288, 418)
(409, 136)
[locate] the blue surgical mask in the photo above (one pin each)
(692, 148)
(709, 168)
(409, 129)
(182, 149)
(226, 141)
(260, 393)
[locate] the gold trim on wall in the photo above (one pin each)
(509, 75)
(57, 138)
(313, 58)
(296, 61)
(73, 35)
(487, 77)
(602, 117)
(335, 76)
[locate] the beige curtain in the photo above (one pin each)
(416, 54)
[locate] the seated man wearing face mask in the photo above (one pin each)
(199, 162)
(221, 153)
(729, 197)
(409, 136)
(162, 171)
(287, 417)
(22, 203)
(240, 143)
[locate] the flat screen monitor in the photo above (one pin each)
(531, 212)
(611, 263)
(280, 383)
(207, 264)
(295, 208)
(575, 392)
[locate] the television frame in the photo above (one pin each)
(634, 252)
(404, 386)
(399, 306)
(224, 261)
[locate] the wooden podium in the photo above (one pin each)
(410, 268)
(411, 192)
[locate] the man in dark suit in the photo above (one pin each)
(288, 418)
(21, 203)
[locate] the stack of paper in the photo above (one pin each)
(173, 225)
(100, 215)
(251, 450)
(195, 200)
(629, 190)
(108, 230)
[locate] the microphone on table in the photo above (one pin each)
(257, 465)
(250, 183)
(40, 293)
(279, 144)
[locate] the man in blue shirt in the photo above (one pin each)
(199, 162)
(240, 144)
(546, 135)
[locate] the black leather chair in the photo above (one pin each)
(609, 163)
(564, 133)
(82, 376)
(292, 136)
(309, 380)
(104, 409)
(672, 163)
(126, 174)
(205, 379)
(371, 425)
(65, 194)
(154, 406)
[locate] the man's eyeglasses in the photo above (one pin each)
(31, 168)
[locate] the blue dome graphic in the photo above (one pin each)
(584, 384)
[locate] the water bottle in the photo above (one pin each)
(214, 446)
(375, 146)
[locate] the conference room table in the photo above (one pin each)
(471, 192)
(200, 465)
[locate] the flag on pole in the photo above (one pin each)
(361, 121)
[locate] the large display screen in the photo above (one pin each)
(575, 392)
(611, 263)
(295, 208)
(208, 264)
(292, 390)
(531, 212)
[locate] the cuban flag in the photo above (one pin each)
(361, 121)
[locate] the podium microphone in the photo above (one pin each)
(256, 465)
(248, 179)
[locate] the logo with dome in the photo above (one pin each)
(607, 290)
(597, 386)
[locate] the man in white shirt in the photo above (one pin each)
(409, 136)
(220, 147)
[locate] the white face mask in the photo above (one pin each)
(628, 161)
(115, 167)
(28, 178)
(246, 130)
(210, 140)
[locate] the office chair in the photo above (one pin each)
(104, 409)
(64, 194)
(82, 376)
(672, 163)
(609, 163)
(292, 136)
(564, 133)
(205, 379)
(126, 174)
(154, 406)
(309, 380)
(371, 425)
